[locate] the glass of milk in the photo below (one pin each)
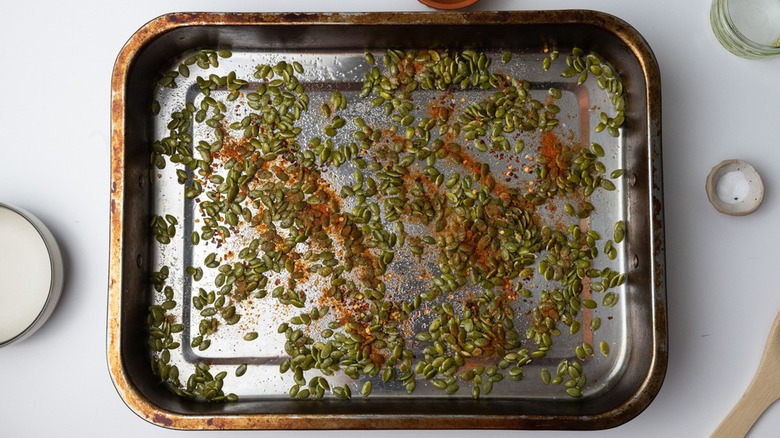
(31, 274)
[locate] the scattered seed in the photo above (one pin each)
(620, 231)
(401, 174)
(506, 57)
(604, 348)
(365, 391)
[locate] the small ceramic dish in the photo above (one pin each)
(448, 4)
(31, 274)
(735, 188)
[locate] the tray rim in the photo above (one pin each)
(154, 414)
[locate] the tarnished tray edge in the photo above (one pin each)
(152, 413)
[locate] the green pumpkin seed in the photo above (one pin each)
(365, 391)
(619, 231)
(546, 378)
(597, 149)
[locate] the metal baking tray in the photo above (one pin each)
(330, 50)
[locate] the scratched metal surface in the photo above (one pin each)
(331, 61)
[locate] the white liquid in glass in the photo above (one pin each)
(25, 274)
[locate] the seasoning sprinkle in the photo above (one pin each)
(261, 184)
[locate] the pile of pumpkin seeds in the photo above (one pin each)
(418, 187)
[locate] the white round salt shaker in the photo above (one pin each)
(734, 187)
(31, 274)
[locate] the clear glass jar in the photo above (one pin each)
(747, 28)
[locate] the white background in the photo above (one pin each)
(723, 288)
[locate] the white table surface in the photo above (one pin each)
(723, 288)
